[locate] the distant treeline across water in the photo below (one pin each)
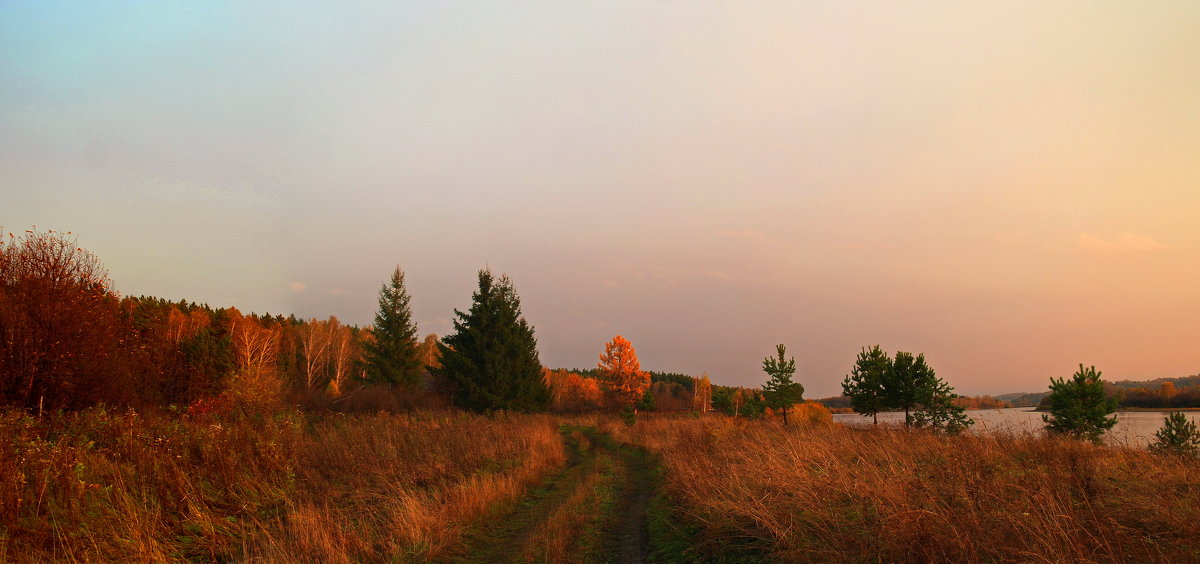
(1133, 428)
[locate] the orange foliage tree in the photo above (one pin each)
(1168, 392)
(571, 392)
(256, 384)
(316, 339)
(702, 397)
(621, 374)
(60, 337)
(346, 350)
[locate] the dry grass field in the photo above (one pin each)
(102, 486)
(105, 487)
(831, 493)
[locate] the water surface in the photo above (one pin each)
(1133, 428)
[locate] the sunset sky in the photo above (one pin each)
(1011, 188)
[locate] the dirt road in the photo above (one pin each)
(593, 510)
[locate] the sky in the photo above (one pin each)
(1010, 188)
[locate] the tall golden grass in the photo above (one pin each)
(123, 486)
(888, 494)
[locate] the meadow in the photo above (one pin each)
(105, 486)
(831, 493)
(443, 486)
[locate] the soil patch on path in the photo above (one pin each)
(628, 536)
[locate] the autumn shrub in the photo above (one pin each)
(212, 483)
(573, 393)
(256, 389)
(372, 398)
(832, 493)
(804, 413)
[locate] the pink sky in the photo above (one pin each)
(1012, 190)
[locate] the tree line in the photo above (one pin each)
(1167, 394)
(1159, 393)
(68, 340)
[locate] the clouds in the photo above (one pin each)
(1124, 244)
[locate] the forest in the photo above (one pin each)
(1159, 394)
(72, 342)
(1162, 393)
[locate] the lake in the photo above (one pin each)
(1134, 428)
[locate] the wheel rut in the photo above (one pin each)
(591, 511)
(630, 537)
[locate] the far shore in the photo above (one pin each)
(1166, 409)
(1134, 409)
(837, 410)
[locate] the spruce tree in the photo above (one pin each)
(392, 357)
(864, 384)
(647, 401)
(491, 359)
(781, 392)
(1080, 407)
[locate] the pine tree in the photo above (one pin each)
(910, 382)
(647, 401)
(864, 385)
(781, 392)
(1178, 436)
(1079, 407)
(391, 357)
(491, 360)
(937, 408)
